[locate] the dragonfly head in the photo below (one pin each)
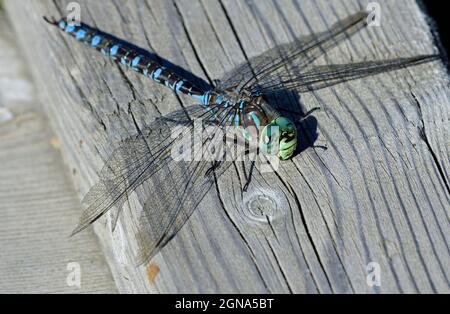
(279, 138)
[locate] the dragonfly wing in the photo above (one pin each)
(325, 76)
(186, 115)
(176, 191)
(138, 159)
(303, 51)
(125, 169)
(178, 188)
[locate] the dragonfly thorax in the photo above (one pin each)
(260, 122)
(249, 110)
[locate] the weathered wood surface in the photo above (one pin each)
(380, 193)
(38, 204)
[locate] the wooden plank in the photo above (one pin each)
(38, 203)
(378, 194)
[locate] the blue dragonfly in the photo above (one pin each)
(239, 101)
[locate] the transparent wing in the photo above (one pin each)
(325, 76)
(186, 115)
(303, 51)
(176, 187)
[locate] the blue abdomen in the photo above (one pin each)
(128, 56)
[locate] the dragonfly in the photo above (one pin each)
(238, 101)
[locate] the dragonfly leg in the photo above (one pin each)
(301, 114)
(249, 177)
(324, 147)
(214, 166)
(310, 112)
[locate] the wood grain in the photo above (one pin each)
(38, 204)
(379, 193)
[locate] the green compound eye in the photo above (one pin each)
(279, 138)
